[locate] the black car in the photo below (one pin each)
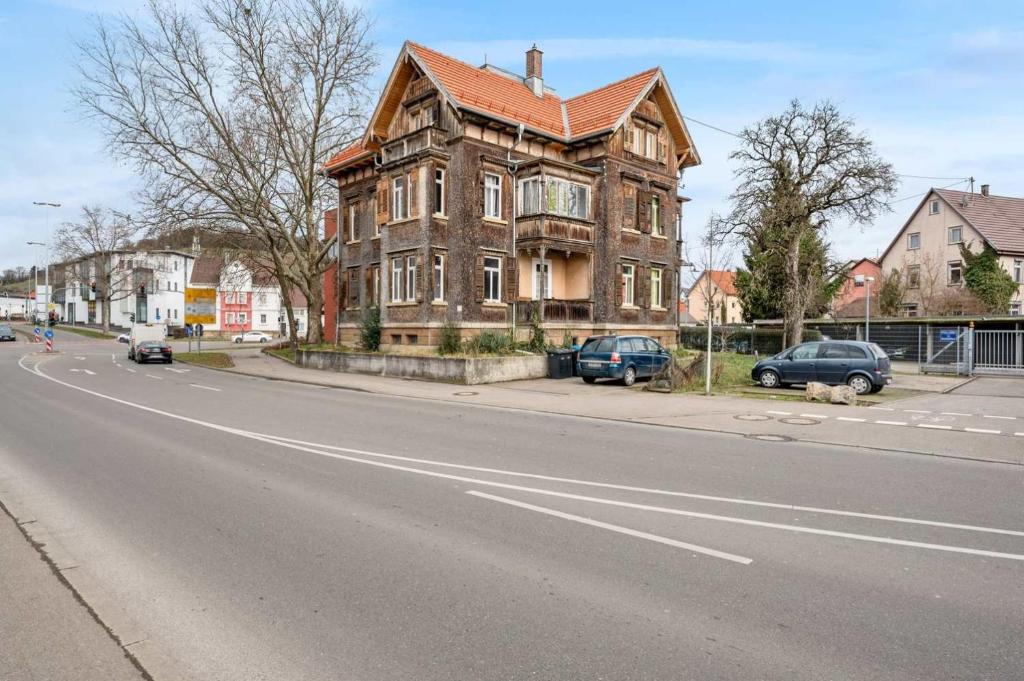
(7, 333)
(624, 358)
(863, 366)
(152, 351)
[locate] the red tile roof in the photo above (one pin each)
(1000, 219)
(348, 153)
(723, 279)
(600, 109)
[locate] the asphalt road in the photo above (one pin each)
(233, 528)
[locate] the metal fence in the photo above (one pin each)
(999, 351)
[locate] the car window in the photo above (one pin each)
(805, 351)
(854, 351)
(878, 351)
(598, 345)
(833, 351)
(651, 345)
(634, 345)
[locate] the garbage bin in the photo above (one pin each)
(559, 363)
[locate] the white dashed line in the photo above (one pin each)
(892, 423)
(850, 419)
(91, 373)
(954, 413)
(934, 426)
(1019, 434)
(204, 387)
(882, 408)
(986, 431)
(1007, 418)
(159, 378)
(780, 413)
(129, 369)
(814, 416)
(917, 411)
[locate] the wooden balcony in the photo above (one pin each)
(555, 310)
(430, 137)
(554, 227)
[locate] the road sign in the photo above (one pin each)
(49, 333)
(37, 331)
(948, 335)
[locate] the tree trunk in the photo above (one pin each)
(105, 311)
(796, 298)
(315, 299)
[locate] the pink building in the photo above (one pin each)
(850, 301)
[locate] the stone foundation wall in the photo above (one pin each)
(461, 370)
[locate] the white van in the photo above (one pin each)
(144, 332)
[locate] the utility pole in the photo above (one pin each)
(710, 306)
(46, 257)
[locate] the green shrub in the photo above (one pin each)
(489, 343)
(369, 330)
(743, 340)
(450, 342)
(537, 343)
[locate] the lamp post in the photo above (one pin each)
(861, 280)
(46, 257)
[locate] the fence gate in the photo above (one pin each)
(999, 352)
(944, 350)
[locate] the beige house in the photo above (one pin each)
(927, 249)
(719, 288)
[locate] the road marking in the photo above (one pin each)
(917, 411)
(74, 371)
(1019, 434)
(851, 419)
(615, 528)
(780, 413)
(934, 426)
(954, 413)
(204, 387)
(814, 416)
(986, 431)
(159, 378)
(892, 423)
(112, 359)
(91, 373)
(177, 371)
(990, 416)
(299, 445)
(882, 408)
(129, 369)
(79, 357)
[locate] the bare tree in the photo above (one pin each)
(91, 245)
(798, 172)
(231, 110)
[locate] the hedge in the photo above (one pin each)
(742, 339)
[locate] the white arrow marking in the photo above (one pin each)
(91, 373)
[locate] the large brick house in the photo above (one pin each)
(481, 197)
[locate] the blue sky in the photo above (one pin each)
(938, 85)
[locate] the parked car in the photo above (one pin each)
(625, 358)
(124, 338)
(7, 333)
(150, 351)
(251, 337)
(863, 366)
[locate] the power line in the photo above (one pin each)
(931, 177)
(713, 127)
(914, 196)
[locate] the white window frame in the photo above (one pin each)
(492, 195)
(949, 235)
(399, 202)
(397, 278)
(263, 319)
(353, 231)
(1018, 271)
(910, 241)
(229, 318)
(950, 267)
(438, 270)
(410, 278)
(376, 283)
(628, 285)
(933, 207)
(529, 196)
(562, 197)
(242, 318)
(535, 278)
(241, 297)
(650, 144)
(492, 272)
(1015, 308)
(914, 276)
(656, 225)
(440, 200)
(656, 292)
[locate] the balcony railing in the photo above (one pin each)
(430, 137)
(555, 310)
(553, 227)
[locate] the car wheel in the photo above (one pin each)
(589, 379)
(629, 376)
(860, 384)
(263, 340)
(238, 340)
(769, 379)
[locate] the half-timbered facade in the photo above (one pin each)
(480, 197)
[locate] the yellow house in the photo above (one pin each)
(927, 249)
(719, 288)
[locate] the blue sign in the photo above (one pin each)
(948, 335)
(36, 330)
(49, 333)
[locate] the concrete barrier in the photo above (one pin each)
(462, 370)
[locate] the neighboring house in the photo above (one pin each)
(241, 298)
(851, 300)
(14, 306)
(481, 197)
(719, 288)
(927, 248)
(685, 318)
(147, 286)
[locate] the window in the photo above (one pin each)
(656, 225)
(541, 279)
(914, 276)
(353, 227)
(263, 319)
(956, 235)
(492, 279)
(1018, 271)
(263, 299)
(175, 265)
(529, 196)
(1015, 308)
(628, 285)
(396, 280)
(954, 273)
(650, 144)
(679, 224)
(175, 313)
(158, 313)
(933, 207)
(492, 196)
(375, 277)
(439, 204)
(229, 317)
(410, 277)
(372, 208)
(399, 207)
(438, 277)
(175, 286)
(914, 241)
(656, 287)
(562, 197)
(242, 318)
(909, 309)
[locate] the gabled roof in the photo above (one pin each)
(206, 270)
(725, 280)
(999, 219)
(506, 97)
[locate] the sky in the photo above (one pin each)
(938, 86)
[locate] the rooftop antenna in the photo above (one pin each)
(972, 183)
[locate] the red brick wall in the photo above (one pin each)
(330, 286)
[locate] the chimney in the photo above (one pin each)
(534, 76)
(984, 190)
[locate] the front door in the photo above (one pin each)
(799, 367)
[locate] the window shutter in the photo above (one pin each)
(481, 189)
(478, 278)
(414, 195)
(511, 279)
(368, 279)
(343, 293)
(619, 284)
(628, 206)
(645, 212)
(353, 283)
(669, 298)
(383, 205)
(506, 195)
(421, 283)
(644, 285)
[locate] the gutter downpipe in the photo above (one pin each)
(513, 168)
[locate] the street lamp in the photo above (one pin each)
(46, 256)
(861, 280)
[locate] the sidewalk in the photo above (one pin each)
(45, 632)
(724, 414)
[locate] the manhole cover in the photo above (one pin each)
(752, 417)
(466, 393)
(797, 421)
(769, 438)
